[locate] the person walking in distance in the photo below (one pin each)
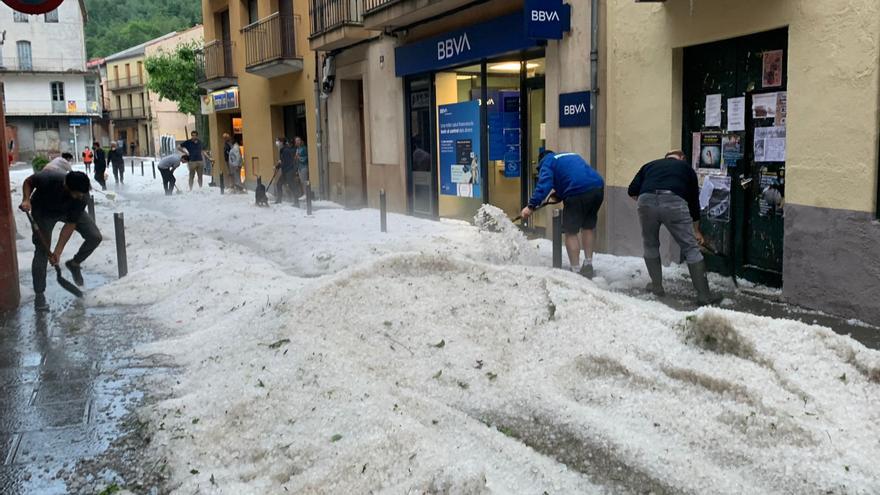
(88, 156)
(668, 194)
(166, 167)
(302, 162)
(117, 161)
(582, 190)
(53, 198)
(287, 164)
(234, 161)
(100, 162)
(192, 148)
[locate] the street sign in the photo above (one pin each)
(574, 109)
(33, 6)
(546, 19)
(74, 121)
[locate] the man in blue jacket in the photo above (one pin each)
(582, 190)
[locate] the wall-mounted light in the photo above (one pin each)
(511, 66)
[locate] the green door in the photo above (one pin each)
(746, 242)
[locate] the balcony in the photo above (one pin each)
(215, 65)
(336, 24)
(45, 107)
(270, 46)
(128, 113)
(28, 64)
(384, 14)
(131, 82)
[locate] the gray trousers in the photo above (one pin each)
(86, 228)
(672, 212)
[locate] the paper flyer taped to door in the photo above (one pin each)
(770, 144)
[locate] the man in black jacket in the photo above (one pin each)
(668, 194)
(100, 162)
(117, 160)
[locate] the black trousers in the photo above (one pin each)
(288, 179)
(168, 180)
(86, 228)
(99, 175)
(119, 172)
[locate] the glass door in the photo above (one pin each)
(420, 149)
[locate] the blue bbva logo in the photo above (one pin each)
(574, 109)
(545, 16)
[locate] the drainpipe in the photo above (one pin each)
(594, 84)
(319, 133)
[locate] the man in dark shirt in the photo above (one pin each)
(100, 164)
(287, 164)
(53, 198)
(192, 148)
(117, 161)
(668, 194)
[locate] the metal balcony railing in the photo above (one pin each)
(373, 5)
(127, 113)
(36, 106)
(28, 64)
(327, 15)
(135, 81)
(270, 39)
(215, 61)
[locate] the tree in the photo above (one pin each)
(174, 76)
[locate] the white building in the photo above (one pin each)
(50, 96)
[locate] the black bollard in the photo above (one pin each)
(154, 169)
(308, 198)
(119, 224)
(142, 168)
(557, 238)
(383, 211)
(222, 175)
(132, 167)
(92, 207)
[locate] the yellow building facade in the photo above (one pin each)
(127, 100)
(259, 76)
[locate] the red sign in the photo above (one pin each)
(33, 6)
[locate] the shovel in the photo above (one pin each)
(551, 200)
(64, 283)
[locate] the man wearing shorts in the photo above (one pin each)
(192, 148)
(582, 190)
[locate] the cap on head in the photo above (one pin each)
(677, 154)
(78, 181)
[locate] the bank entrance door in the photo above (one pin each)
(740, 152)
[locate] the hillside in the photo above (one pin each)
(115, 25)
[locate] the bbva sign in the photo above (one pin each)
(574, 109)
(453, 47)
(546, 19)
(33, 6)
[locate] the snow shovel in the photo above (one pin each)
(547, 202)
(64, 283)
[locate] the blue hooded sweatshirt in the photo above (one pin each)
(566, 173)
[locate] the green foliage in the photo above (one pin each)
(174, 76)
(115, 25)
(39, 162)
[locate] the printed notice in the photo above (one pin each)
(772, 73)
(736, 114)
(764, 106)
(781, 108)
(713, 110)
(770, 144)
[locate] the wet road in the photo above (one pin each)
(67, 388)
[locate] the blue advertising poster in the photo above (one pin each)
(512, 158)
(460, 149)
(503, 110)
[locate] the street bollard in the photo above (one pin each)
(154, 169)
(222, 175)
(383, 211)
(557, 238)
(132, 167)
(308, 198)
(92, 207)
(142, 168)
(119, 224)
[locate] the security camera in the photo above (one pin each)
(329, 78)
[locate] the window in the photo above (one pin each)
(57, 91)
(24, 55)
(45, 125)
(51, 16)
(19, 17)
(91, 90)
(253, 13)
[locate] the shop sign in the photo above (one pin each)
(470, 44)
(574, 109)
(546, 19)
(226, 99)
(33, 6)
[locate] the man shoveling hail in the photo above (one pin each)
(581, 189)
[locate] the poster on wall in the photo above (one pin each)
(772, 73)
(715, 198)
(459, 149)
(710, 150)
(503, 114)
(713, 110)
(781, 108)
(736, 114)
(770, 144)
(764, 106)
(731, 149)
(512, 157)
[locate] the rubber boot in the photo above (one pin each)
(76, 272)
(40, 304)
(701, 284)
(655, 271)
